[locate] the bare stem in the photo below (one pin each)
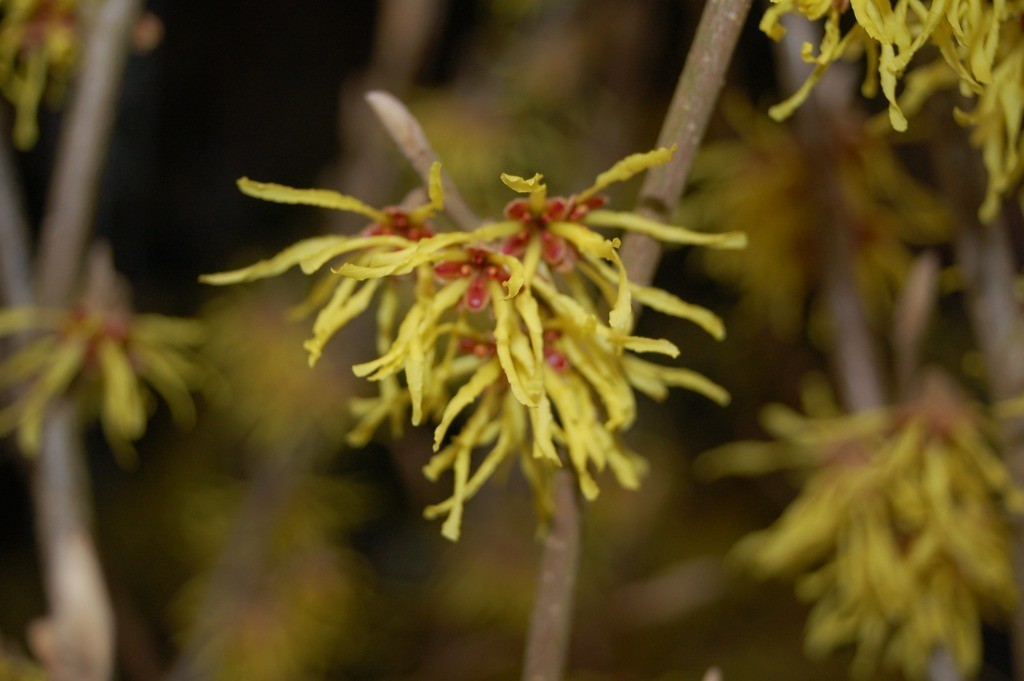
(693, 102)
(82, 151)
(547, 642)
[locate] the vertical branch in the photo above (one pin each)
(80, 633)
(15, 252)
(855, 357)
(82, 151)
(692, 104)
(547, 642)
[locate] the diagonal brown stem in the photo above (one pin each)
(693, 102)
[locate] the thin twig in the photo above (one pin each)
(547, 642)
(410, 139)
(694, 101)
(82, 151)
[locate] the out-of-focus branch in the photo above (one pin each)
(80, 627)
(693, 102)
(984, 256)
(547, 642)
(82, 151)
(243, 561)
(914, 310)
(410, 139)
(76, 643)
(15, 251)
(854, 355)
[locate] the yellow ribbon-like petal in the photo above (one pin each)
(321, 198)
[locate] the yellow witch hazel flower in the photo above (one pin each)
(981, 50)
(505, 316)
(901, 533)
(110, 357)
(763, 181)
(38, 50)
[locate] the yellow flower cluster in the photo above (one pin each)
(114, 358)
(38, 50)
(528, 318)
(981, 50)
(765, 182)
(900, 535)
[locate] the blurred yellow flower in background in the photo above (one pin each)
(298, 602)
(765, 183)
(280, 402)
(109, 357)
(38, 51)
(901, 533)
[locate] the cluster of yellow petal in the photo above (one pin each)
(113, 359)
(525, 322)
(765, 182)
(981, 48)
(900, 535)
(38, 50)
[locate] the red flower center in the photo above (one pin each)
(480, 270)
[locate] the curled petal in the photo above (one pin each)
(435, 191)
(669, 234)
(321, 198)
(343, 307)
(627, 168)
(484, 377)
(282, 262)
